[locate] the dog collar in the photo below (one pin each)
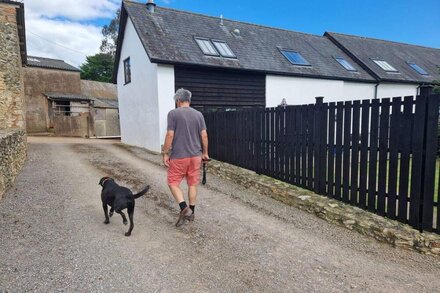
(105, 181)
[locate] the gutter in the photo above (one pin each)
(257, 71)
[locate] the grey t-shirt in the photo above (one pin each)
(187, 124)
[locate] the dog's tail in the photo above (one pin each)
(145, 190)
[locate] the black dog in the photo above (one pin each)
(118, 198)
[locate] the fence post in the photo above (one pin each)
(429, 162)
(317, 131)
(417, 170)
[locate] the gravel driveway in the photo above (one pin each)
(53, 238)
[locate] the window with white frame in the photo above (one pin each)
(223, 49)
(215, 48)
(207, 47)
(384, 65)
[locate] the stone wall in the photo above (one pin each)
(353, 218)
(38, 81)
(12, 156)
(11, 81)
(12, 120)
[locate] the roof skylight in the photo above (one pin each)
(347, 65)
(384, 65)
(295, 58)
(207, 47)
(417, 68)
(224, 49)
(32, 59)
(215, 48)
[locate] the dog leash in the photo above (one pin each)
(204, 170)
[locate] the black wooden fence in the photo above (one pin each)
(379, 155)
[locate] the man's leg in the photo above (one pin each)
(192, 196)
(193, 179)
(185, 211)
(176, 172)
(177, 193)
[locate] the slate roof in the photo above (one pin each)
(168, 37)
(396, 54)
(42, 62)
(67, 97)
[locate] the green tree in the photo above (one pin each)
(110, 33)
(98, 67)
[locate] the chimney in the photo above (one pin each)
(221, 19)
(151, 5)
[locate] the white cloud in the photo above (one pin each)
(62, 22)
(43, 35)
(72, 9)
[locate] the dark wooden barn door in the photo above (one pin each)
(222, 89)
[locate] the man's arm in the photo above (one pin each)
(167, 146)
(204, 135)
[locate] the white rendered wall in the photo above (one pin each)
(165, 84)
(390, 90)
(299, 91)
(356, 91)
(138, 100)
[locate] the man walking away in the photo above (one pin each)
(186, 144)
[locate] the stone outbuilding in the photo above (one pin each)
(44, 75)
(58, 101)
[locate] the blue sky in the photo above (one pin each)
(415, 22)
(76, 24)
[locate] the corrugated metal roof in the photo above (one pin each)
(105, 103)
(67, 97)
(97, 102)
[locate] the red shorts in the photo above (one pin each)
(185, 167)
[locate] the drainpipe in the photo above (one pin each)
(375, 90)
(418, 89)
